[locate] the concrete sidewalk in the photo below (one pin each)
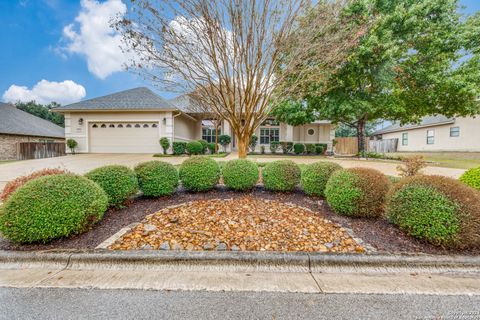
(226, 271)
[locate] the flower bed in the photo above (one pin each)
(243, 224)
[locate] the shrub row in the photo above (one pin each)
(297, 148)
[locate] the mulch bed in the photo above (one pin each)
(380, 234)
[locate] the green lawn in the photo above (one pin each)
(460, 160)
(6, 161)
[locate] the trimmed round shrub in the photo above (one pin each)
(204, 145)
(240, 174)
(194, 147)
(357, 192)
(212, 147)
(299, 148)
(13, 185)
(471, 178)
(118, 182)
(199, 173)
(157, 178)
(436, 209)
(179, 148)
(52, 207)
(283, 175)
(315, 177)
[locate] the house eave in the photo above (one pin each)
(112, 110)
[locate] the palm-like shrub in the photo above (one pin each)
(240, 174)
(315, 177)
(471, 178)
(199, 173)
(436, 209)
(52, 207)
(118, 182)
(157, 178)
(357, 192)
(283, 175)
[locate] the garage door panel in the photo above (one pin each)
(124, 137)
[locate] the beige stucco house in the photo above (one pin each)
(17, 126)
(435, 133)
(133, 121)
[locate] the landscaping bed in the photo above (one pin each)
(380, 234)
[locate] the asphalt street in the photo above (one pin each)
(48, 303)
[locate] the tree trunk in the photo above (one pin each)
(361, 136)
(242, 145)
(216, 136)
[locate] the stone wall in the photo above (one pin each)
(8, 144)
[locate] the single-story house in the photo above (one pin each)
(435, 133)
(19, 126)
(133, 121)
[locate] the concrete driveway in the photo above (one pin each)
(82, 163)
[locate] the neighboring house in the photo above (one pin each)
(133, 121)
(435, 133)
(19, 126)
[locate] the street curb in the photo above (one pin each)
(235, 261)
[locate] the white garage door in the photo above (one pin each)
(124, 137)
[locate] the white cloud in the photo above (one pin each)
(92, 36)
(45, 92)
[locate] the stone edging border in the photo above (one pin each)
(236, 261)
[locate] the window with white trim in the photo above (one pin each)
(268, 135)
(455, 132)
(405, 139)
(430, 136)
(208, 131)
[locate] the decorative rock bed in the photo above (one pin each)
(246, 224)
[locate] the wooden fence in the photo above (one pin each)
(383, 146)
(348, 145)
(39, 150)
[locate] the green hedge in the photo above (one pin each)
(52, 207)
(194, 148)
(357, 192)
(157, 178)
(204, 144)
(299, 148)
(472, 178)
(118, 182)
(436, 209)
(315, 177)
(240, 174)
(179, 148)
(199, 173)
(283, 175)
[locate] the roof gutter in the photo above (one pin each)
(417, 127)
(110, 110)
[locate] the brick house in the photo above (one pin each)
(19, 126)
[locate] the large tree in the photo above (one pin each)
(420, 57)
(42, 111)
(228, 51)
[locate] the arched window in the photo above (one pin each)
(120, 126)
(129, 125)
(111, 126)
(154, 125)
(95, 126)
(103, 125)
(146, 126)
(137, 126)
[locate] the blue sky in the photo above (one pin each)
(67, 44)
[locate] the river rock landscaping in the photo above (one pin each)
(246, 223)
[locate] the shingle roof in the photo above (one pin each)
(426, 122)
(15, 121)
(132, 99)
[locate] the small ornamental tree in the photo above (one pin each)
(224, 140)
(253, 143)
(72, 144)
(165, 143)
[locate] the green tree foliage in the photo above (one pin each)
(418, 58)
(43, 111)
